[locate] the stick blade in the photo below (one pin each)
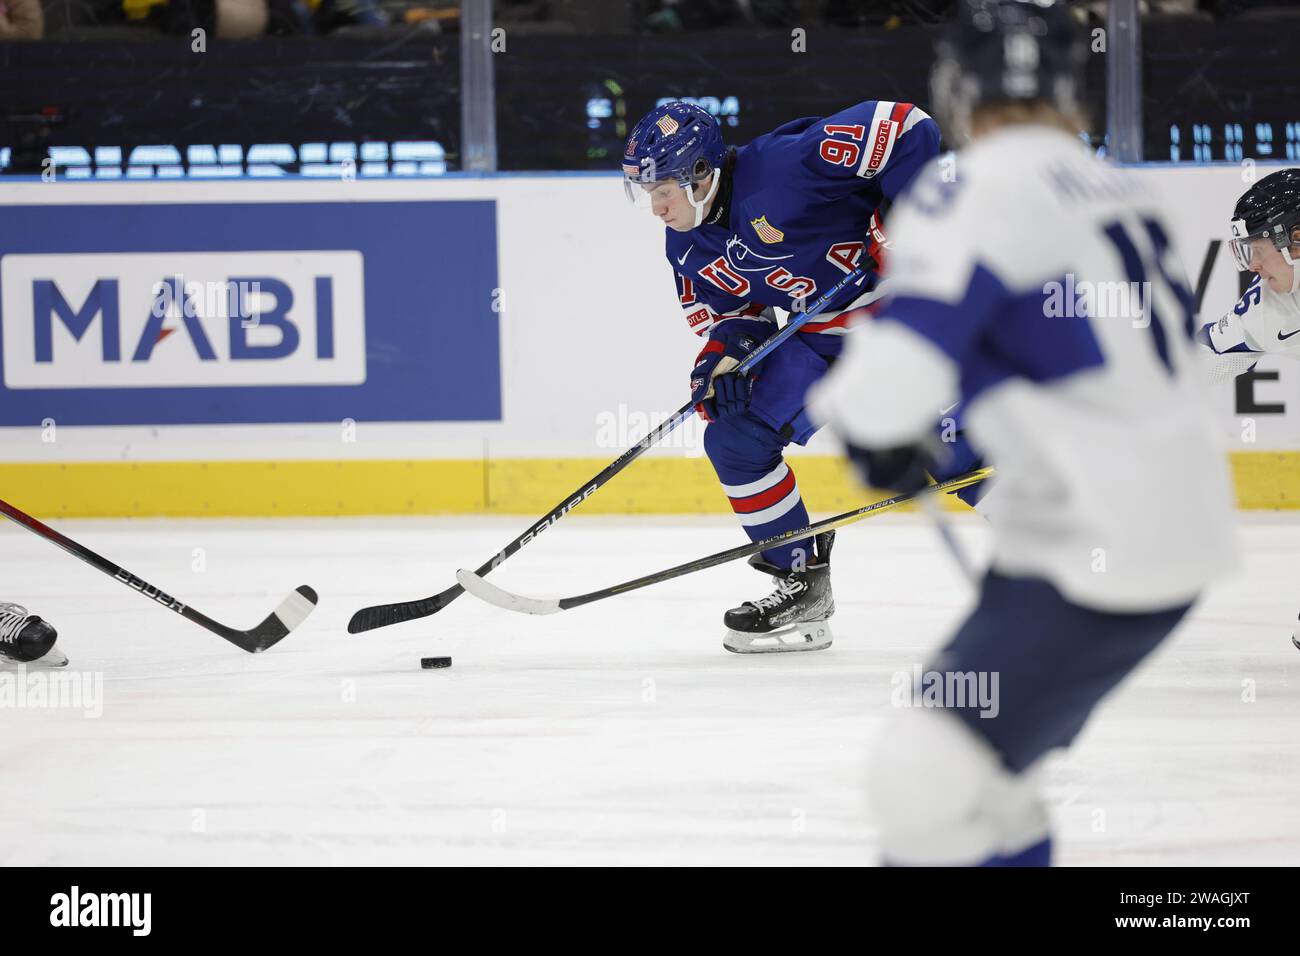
(492, 594)
(292, 611)
(384, 615)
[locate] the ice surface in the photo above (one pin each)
(615, 733)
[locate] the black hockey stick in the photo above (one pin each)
(292, 611)
(382, 615)
(486, 591)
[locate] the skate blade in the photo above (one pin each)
(814, 636)
(53, 658)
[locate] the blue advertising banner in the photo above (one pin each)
(160, 314)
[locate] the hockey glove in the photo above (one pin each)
(1203, 337)
(903, 469)
(876, 245)
(716, 390)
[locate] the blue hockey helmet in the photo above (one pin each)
(1006, 51)
(674, 143)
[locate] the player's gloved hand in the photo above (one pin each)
(731, 393)
(1203, 336)
(903, 469)
(716, 390)
(876, 245)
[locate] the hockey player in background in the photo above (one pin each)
(1112, 511)
(771, 225)
(1265, 241)
(27, 640)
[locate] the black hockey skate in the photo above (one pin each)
(794, 616)
(27, 640)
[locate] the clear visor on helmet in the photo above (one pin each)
(1247, 249)
(643, 186)
(1247, 252)
(644, 195)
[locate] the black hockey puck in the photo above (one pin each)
(429, 663)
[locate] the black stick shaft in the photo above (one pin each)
(745, 550)
(249, 641)
(383, 615)
(114, 571)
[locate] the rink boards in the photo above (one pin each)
(452, 346)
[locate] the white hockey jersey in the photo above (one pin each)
(1262, 322)
(1039, 286)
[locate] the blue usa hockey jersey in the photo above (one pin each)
(802, 211)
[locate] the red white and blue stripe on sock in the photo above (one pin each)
(768, 506)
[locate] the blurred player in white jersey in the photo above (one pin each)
(1265, 241)
(1039, 286)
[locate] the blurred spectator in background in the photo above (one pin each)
(1218, 9)
(1260, 9)
(222, 19)
(21, 20)
(888, 13)
(674, 15)
(226, 19)
(522, 10)
(242, 19)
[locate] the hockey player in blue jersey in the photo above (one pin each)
(768, 226)
(1112, 509)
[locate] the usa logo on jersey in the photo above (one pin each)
(766, 231)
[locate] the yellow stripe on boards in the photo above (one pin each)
(519, 486)
(1266, 480)
(243, 488)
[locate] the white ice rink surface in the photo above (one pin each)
(611, 734)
